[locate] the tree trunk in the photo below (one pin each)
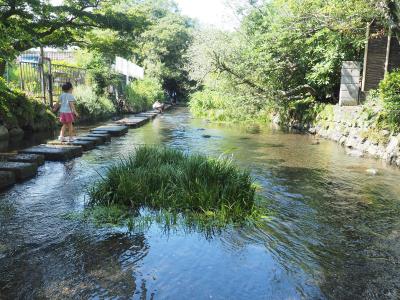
(3, 65)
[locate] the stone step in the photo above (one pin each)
(29, 158)
(55, 152)
(96, 140)
(134, 122)
(150, 115)
(113, 129)
(7, 179)
(21, 170)
(105, 136)
(86, 145)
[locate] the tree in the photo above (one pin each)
(27, 24)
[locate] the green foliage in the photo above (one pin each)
(27, 24)
(389, 89)
(219, 101)
(162, 47)
(141, 94)
(168, 179)
(91, 106)
(16, 110)
(284, 51)
(304, 111)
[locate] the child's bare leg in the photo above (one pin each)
(62, 131)
(73, 129)
(70, 130)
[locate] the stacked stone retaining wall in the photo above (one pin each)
(353, 128)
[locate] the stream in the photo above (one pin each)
(333, 230)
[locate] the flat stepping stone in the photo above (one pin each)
(21, 170)
(133, 121)
(96, 140)
(29, 158)
(150, 115)
(7, 179)
(106, 137)
(55, 152)
(113, 129)
(86, 145)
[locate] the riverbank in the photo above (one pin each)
(355, 129)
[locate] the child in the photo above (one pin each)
(67, 112)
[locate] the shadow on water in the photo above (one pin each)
(25, 141)
(102, 268)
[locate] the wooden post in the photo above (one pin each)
(389, 43)
(41, 70)
(21, 76)
(366, 57)
(50, 85)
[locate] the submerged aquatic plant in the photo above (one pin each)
(176, 185)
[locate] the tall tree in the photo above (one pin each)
(27, 24)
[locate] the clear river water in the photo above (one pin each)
(333, 233)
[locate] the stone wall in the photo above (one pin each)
(353, 127)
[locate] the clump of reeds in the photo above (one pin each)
(193, 186)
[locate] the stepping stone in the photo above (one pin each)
(30, 158)
(21, 170)
(96, 140)
(150, 115)
(133, 121)
(7, 179)
(86, 145)
(106, 137)
(55, 152)
(113, 129)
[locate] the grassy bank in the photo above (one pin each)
(174, 186)
(20, 111)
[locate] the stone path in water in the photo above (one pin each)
(17, 167)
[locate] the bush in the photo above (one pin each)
(141, 94)
(389, 89)
(303, 111)
(90, 106)
(167, 179)
(17, 110)
(223, 106)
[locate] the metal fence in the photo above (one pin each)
(44, 79)
(61, 74)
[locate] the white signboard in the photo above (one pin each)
(128, 68)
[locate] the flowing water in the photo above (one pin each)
(334, 231)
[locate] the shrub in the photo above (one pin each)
(304, 111)
(167, 179)
(224, 106)
(141, 94)
(17, 110)
(91, 106)
(389, 89)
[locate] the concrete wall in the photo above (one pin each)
(350, 83)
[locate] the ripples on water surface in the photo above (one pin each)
(334, 231)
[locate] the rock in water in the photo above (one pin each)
(372, 171)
